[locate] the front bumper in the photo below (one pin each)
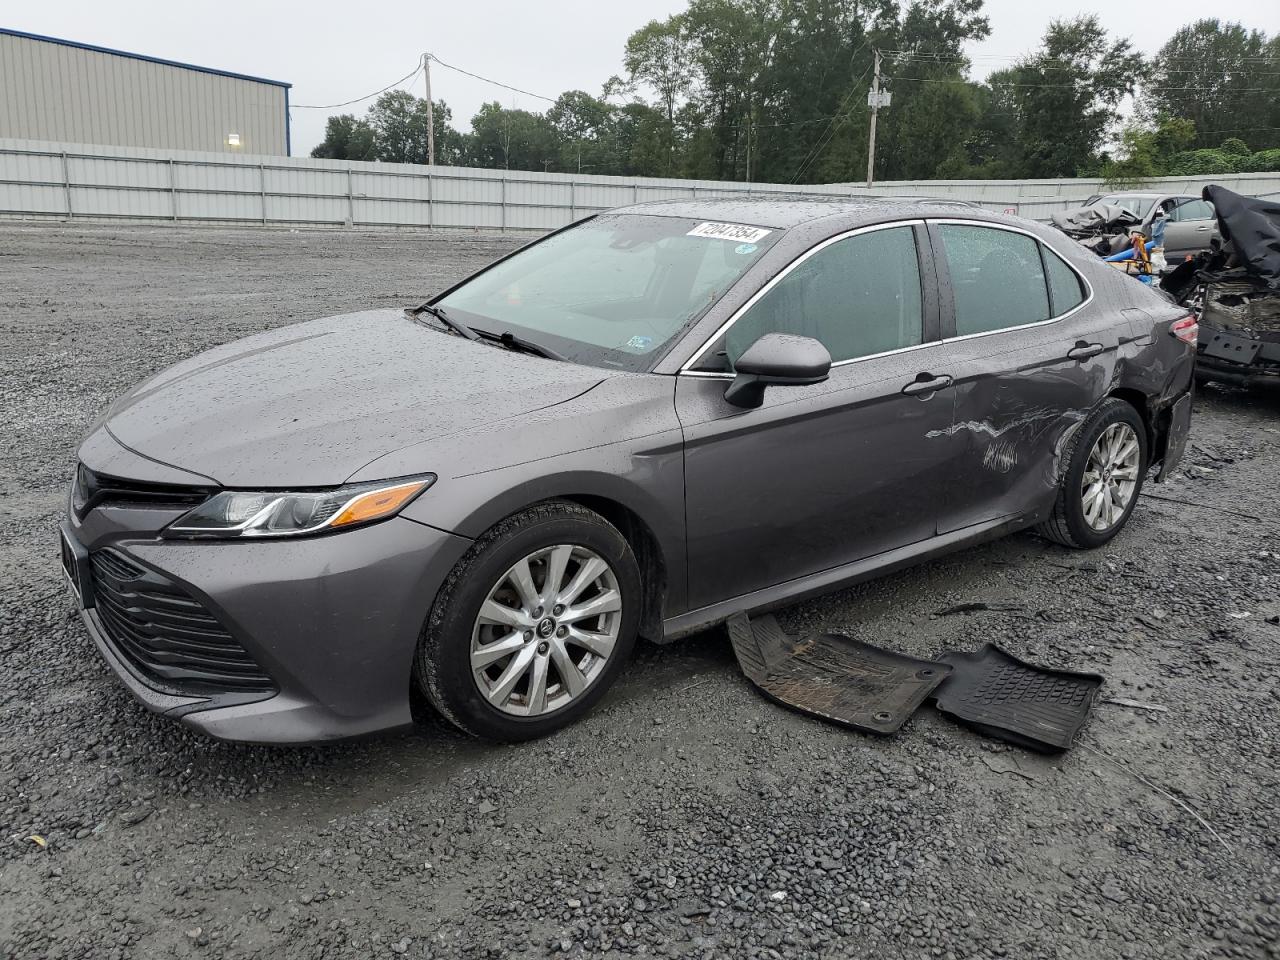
(332, 620)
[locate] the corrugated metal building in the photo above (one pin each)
(77, 93)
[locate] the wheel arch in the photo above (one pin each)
(650, 518)
(649, 555)
(1139, 401)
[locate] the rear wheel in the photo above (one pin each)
(533, 625)
(1106, 464)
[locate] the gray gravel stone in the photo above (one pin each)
(624, 836)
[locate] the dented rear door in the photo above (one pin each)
(1024, 384)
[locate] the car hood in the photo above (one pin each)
(310, 404)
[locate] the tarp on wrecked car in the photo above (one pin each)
(1250, 226)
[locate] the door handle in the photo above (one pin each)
(927, 385)
(1202, 228)
(1085, 351)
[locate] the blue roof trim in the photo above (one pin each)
(139, 56)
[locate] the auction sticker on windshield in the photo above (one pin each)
(729, 231)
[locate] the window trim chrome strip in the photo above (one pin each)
(915, 221)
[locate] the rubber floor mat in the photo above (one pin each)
(1012, 700)
(833, 676)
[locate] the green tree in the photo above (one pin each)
(1264, 161)
(659, 55)
(513, 139)
(346, 138)
(1222, 77)
(1066, 96)
(934, 108)
(399, 121)
(1147, 150)
(1205, 163)
(584, 127)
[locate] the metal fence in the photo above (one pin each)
(71, 181)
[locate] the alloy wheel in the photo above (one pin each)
(1110, 476)
(546, 630)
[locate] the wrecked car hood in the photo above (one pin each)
(1096, 217)
(309, 404)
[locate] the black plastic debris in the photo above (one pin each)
(832, 676)
(1009, 699)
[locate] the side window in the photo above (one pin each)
(859, 296)
(997, 278)
(1191, 210)
(1065, 290)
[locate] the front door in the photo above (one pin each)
(822, 475)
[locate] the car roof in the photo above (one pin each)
(783, 213)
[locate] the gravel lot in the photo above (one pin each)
(685, 817)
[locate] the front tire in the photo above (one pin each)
(533, 625)
(1106, 465)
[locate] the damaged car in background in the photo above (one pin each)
(640, 425)
(1182, 225)
(1234, 291)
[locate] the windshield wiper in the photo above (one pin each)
(457, 326)
(508, 339)
(512, 342)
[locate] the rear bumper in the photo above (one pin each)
(1177, 432)
(334, 621)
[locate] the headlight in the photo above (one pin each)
(277, 513)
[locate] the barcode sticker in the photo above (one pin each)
(729, 231)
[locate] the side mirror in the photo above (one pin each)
(777, 359)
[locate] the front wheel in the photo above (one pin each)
(533, 625)
(1106, 464)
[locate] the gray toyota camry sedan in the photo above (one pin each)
(636, 426)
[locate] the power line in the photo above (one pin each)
(1040, 67)
(944, 57)
(370, 96)
(844, 115)
(1057, 86)
(866, 43)
(496, 83)
(411, 76)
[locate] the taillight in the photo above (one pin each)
(1187, 330)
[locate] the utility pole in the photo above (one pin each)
(430, 113)
(874, 101)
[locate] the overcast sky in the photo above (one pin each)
(333, 52)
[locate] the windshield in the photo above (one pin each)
(614, 291)
(1138, 205)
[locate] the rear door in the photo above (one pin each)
(1032, 357)
(821, 475)
(1192, 225)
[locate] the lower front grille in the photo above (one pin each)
(166, 634)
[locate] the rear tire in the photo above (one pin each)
(512, 649)
(1106, 463)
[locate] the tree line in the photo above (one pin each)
(776, 91)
